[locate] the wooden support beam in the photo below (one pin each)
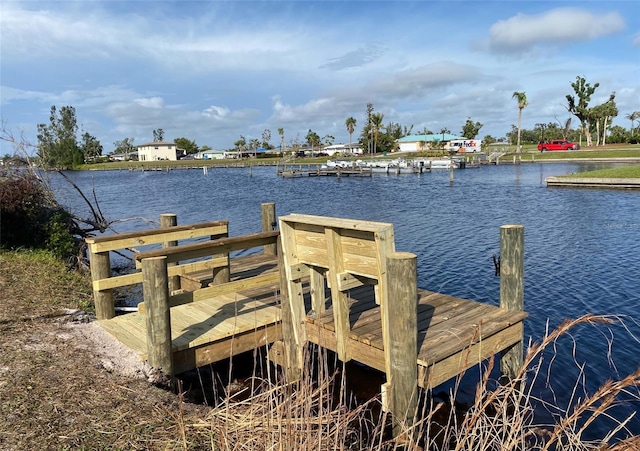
(512, 290)
(339, 299)
(402, 338)
(155, 287)
(269, 223)
(317, 285)
(299, 271)
(348, 281)
(220, 246)
(293, 333)
(170, 220)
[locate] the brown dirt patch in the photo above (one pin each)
(65, 383)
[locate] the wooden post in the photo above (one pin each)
(101, 269)
(170, 220)
(291, 335)
(451, 172)
(512, 289)
(222, 274)
(155, 286)
(402, 339)
(268, 224)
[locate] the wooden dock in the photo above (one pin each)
(337, 283)
(453, 333)
(319, 171)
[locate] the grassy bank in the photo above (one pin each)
(632, 171)
(57, 393)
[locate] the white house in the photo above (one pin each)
(213, 155)
(418, 143)
(344, 149)
(157, 151)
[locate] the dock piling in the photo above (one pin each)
(155, 287)
(512, 289)
(402, 382)
(170, 220)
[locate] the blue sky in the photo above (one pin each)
(212, 71)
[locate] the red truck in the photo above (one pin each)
(558, 144)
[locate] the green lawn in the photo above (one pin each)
(625, 172)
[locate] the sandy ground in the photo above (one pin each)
(112, 356)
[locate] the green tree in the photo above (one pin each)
(91, 147)
(57, 144)
(254, 143)
(124, 146)
(471, 129)
(366, 136)
(189, 146)
(601, 116)
(281, 133)
(350, 123)
(522, 103)
(376, 126)
(241, 144)
(158, 135)
(266, 138)
(313, 139)
(580, 107)
(619, 134)
(633, 117)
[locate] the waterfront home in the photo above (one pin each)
(158, 151)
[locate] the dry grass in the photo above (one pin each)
(56, 395)
(54, 392)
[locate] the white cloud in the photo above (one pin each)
(522, 33)
(150, 102)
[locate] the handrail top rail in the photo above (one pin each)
(154, 231)
(217, 246)
(341, 223)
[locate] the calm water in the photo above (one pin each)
(582, 247)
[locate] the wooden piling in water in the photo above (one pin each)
(155, 286)
(269, 223)
(512, 289)
(402, 382)
(170, 220)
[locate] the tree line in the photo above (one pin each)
(62, 145)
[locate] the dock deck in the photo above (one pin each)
(453, 333)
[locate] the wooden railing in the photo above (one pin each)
(158, 301)
(100, 247)
(219, 247)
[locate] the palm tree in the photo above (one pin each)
(633, 117)
(376, 124)
(522, 102)
(281, 133)
(350, 122)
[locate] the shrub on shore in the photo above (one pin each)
(31, 217)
